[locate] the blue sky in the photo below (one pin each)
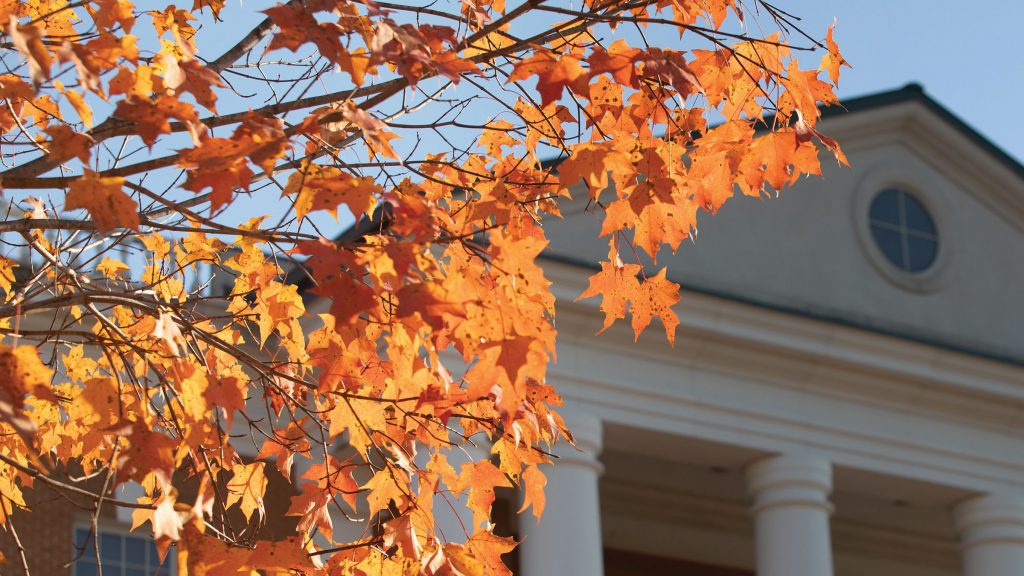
(965, 54)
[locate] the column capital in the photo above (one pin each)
(790, 480)
(990, 519)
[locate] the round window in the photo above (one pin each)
(903, 230)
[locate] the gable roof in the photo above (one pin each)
(914, 92)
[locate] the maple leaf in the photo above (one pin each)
(489, 548)
(148, 452)
(186, 325)
(166, 520)
(65, 143)
(655, 298)
(617, 284)
(481, 478)
(591, 163)
(325, 188)
(832, 60)
(151, 118)
(247, 486)
(112, 268)
(105, 201)
(29, 41)
(311, 507)
(495, 136)
(191, 76)
(533, 495)
(166, 330)
(554, 72)
(375, 132)
(401, 532)
(21, 373)
(7, 277)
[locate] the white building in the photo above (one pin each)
(846, 394)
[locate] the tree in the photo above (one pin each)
(152, 154)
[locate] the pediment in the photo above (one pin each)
(811, 251)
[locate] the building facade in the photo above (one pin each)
(846, 394)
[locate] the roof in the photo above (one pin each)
(914, 92)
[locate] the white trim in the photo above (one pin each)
(775, 382)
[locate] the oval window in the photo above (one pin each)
(903, 230)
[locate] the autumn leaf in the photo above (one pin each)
(247, 487)
(481, 478)
(617, 285)
(65, 143)
(591, 163)
(312, 508)
(400, 532)
(7, 277)
(201, 306)
(832, 60)
(554, 72)
(534, 481)
(166, 520)
(21, 373)
(375, 132)
(320, 188)
(655, 298)
(105, 200)
(28, 40)
(112, 269)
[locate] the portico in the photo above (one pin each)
(776, 445)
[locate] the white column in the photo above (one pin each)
(791, 512)
(567, 540)
(991, 531)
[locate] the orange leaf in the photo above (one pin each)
(533, 492)
(656, 297)
(105, 201)
(247, 486)
(29, 41)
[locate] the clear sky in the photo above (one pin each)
(967, 55)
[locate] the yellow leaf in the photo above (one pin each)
(112, 268)
(247, 487)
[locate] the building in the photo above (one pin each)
(846, 394)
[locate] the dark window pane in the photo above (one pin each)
(889, 243)
(133, 572)
(83, 540)
(135, 551)
(86, 568)
(922, 253)
(165, 569)
(918, 218)
(110, 548)
(885, 207)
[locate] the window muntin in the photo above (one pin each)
(903, 230)
(121, 554)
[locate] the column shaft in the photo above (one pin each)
(567, 541)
